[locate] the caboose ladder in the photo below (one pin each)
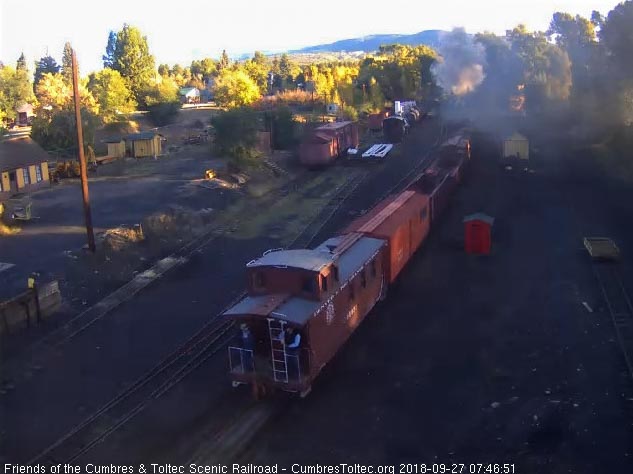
(278, 350)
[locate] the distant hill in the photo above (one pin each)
(373, 42)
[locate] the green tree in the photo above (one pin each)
(224, 62)
(161, 101)
(109, 57)
(133, 60)
(46, 65)
(163, 70)
(401, 71)
(111, 92)
(67, 63)
(616, 36)
(203, 69)
(283, 125)
(577, 36)
(236, 135)
(235, 89)
(60, 133)
(546, 67)
(54, 126)
(21, 63)
(257, 68)
(15, 90)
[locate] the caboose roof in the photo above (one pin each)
(352, 259)
(292, 309)
(305, 259)
(351, 253)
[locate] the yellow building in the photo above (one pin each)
(516, 146)
(23, 166)
(137, 145)
(116, 147)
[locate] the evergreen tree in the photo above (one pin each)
(46, 65)
(133, 60)
(21, 64)
(67, 63)
(225, 62)
(109, 58)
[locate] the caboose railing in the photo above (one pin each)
(241, 360)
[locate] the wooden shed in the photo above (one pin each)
(516, 146)
(116, 147)
(477, 233)
(144, 144)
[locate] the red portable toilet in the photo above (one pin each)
(477, 233)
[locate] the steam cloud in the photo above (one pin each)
(461, 69)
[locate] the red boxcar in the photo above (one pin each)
(403, 220)
(329, 141)
(374, 121)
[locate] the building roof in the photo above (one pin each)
(188, 90)
(303, 258)
(112, 140)
(28, 108)
(516, 136)
(21, 151)
(480, 216)
(333, 125)
(141, 136)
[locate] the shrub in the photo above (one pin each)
(236, 135)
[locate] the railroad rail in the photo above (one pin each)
(309, 233)
(619, 306)
(210, 339)
(414, 173)
(206, 342)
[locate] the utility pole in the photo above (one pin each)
(82, 158)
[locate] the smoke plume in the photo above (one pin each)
(461, 67)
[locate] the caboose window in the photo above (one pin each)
(335, 272)
(373, 268)
(323, 283)
(351, 291)
(363, 278)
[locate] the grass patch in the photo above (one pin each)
(284, 217)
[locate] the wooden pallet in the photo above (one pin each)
(601, 248)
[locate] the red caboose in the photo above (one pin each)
(301, 307)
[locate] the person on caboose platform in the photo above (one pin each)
(248, 345)
(292, 342)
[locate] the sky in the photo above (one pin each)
(194, 29)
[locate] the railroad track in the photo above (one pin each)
(205, 343)
(344, 191)
(619, 307)
(414, 173)
(210, 339)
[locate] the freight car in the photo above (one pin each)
(302, 305)
(394, 128)
(326, 143)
